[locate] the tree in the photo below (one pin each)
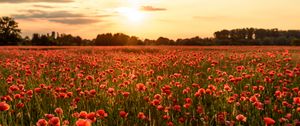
(133, 40)
(250, 33)
(36, 39)
(224, 34)
(163, 41)
(26, 41)
(9, 32)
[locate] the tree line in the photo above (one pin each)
(254, 36)
(10, 34)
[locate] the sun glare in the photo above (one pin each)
(132, 14)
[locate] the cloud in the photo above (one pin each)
(45, 14)
(74, 21)
(33, 1)
(151, 8)
(43, 6)
(63, 17)
(53, 14)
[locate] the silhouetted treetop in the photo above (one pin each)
(9, 31)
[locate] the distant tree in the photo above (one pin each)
(104, 39)
(87, 42)
(260, 33)
(250, 33)
(120, 39)
(163, 41)
(133, 40)
(45, 40)
(68, 40)
(149, 42)
(9, 31)
(36, 40)
(26, 41)
(222, 35)
(78, 41)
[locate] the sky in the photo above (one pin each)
(150, 18)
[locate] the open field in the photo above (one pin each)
(151, 86)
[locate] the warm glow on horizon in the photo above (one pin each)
(150, 18)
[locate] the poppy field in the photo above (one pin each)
(150, 86)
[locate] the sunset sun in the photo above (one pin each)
(133, 15)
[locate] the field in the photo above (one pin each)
(149, 86)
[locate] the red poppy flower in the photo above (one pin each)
(83, 122)
(141, 115)
(101, 113)
(141, 87)
(269, 121)
(4, 106)
(54, 121)
(42, 122)
(59, 111)
(296, 100)
(123, 114)
(241, 117)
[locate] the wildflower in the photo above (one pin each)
(166, 117)
(49, 116)
(20, 105)
(29, 92)
(4, 106)
(296, 100)
(187, 105)
(298, 109)
(158, 96)
(141, 115)
(91, 116)
(58, 111)
(37, 90)
(83, 114)
(227, 87)
(101, 113)
(54, 121)
(42, 122)
(155, 102)
(141, 87)
(110, 90)
(269, 121)
(241, 117)
(83, 122)
(93, 92)
(188, 100)
(123, 114)
(125, 94)
(170, 124)
(160, 108)
(177, 108)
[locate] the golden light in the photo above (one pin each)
(132, 14)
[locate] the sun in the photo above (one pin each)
(132, 14)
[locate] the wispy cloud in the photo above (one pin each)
(64, 17)
(33, 1)
(45, 14)
(75, 21)
(43, 6)
(151, 8)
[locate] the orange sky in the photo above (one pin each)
(150, 18)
